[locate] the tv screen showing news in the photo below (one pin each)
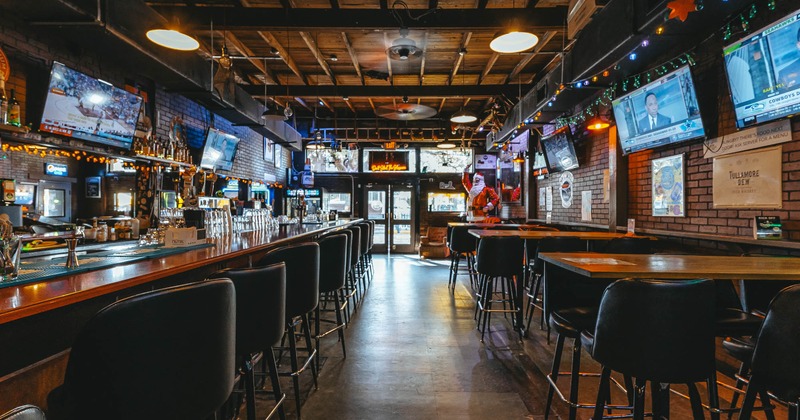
(219, 150)
(89, 109)
(764, 72)
(662, 112)
(559, 151)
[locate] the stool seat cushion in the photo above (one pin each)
(570, 322)
(735, 322)
(740, 348)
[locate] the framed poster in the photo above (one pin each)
(667, 183)
(278, 155)
(93, 187)
(752, 179)
(269, 150)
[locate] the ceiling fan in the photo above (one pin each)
(404, 48)
(405, 112)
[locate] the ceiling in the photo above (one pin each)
(329, 57)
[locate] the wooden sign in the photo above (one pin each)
(752, 138)
(749, 180)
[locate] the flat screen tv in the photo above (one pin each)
(539, 164)
(764, 72)
(219, 150)
(662, 112)
(559, 152)
(89, 109)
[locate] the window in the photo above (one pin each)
(433, 160)
(123, 202)
(391, 160)
(447, 202)
(332, 160)
(337, 201)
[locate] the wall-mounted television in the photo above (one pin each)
(85, 108)
(539, 164)
(764, 72)
(219, 150)
(664, 111)
(559, 151)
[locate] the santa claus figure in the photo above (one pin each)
(482, 200)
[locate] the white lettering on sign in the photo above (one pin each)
(752, 138)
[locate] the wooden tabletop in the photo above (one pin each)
(541, 234)
(478, 225)
(659, 266)
(33, 298)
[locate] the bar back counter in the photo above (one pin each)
(39, 320)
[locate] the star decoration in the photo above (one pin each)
(680, 9)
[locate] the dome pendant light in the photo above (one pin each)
(172, 39)
(463, 117)
(596, 124)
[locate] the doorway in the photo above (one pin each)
(392, 206)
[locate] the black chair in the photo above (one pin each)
(369, 250)
(302, 297)
(570, 304)
(498, 257)
(24, 412)
(732, 320)
(165, 354)
(363, 263)
(629, 245)
(554, 244)
(774, 366)
(333, 250)
(260, 320)
(462, 244)
(352, 285)
(657, 331)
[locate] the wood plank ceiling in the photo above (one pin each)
(329, 57)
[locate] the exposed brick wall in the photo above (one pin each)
(593, 158)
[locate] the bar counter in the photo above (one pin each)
(40, 319)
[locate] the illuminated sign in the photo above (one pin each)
(388, 161)
(55, 169)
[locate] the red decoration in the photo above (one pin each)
(681, 8)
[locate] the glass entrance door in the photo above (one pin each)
(392, 209)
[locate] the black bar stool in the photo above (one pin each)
(333, 250)
(774, 366)
(352, 287)
(260, 320)
(498, 257)
(369, 250)
(165, 354)
(554, 244)
(462, 244)
(302, 297)
(657, 331)
(363, 264)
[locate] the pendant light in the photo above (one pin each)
(270, 114)
(514, 40)
(597, 123)
(446, 145)
(462, 116)
(172, 39)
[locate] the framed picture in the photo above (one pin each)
(93, 184)
(668, 187)
(278, 155)
(269, 150)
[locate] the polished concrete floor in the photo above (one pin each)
(413, 353)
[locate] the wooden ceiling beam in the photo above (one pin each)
(352, 108)
(386, 45)
(482, 4)
(234, 41)
(270, 39)
(441, 105)
(528, 57)
(334, 4)
(372, 104)
(326, 104)
(303, 103)
(459, 56)
(306, 19)
(353, 56)
(427, 91)
(422, 62)
(312, 45)
(488, 68)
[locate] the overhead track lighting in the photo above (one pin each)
(172, 39)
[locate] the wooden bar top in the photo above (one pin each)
(659, 266)
(479, 225)
(541, 234)
(21, 301)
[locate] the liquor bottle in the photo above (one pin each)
(13, 111)
(3, 101)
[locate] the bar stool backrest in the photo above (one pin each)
(24, 412)
(759, 293)
(302, 275)
(355, 245)
(260, 305)
(661, 331)
(461, 241)
(775, 357)
(371, 234)
(500, 256)
(168, 353)
(366, 233)
(333, 251)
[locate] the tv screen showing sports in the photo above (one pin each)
(559, 151)
(89, 109)
(219, 150)
(764, 72)
(662, 112)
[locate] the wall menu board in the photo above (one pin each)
(749, 179)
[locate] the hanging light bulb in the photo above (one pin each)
(225, 60)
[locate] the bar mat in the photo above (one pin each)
(31, 272)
